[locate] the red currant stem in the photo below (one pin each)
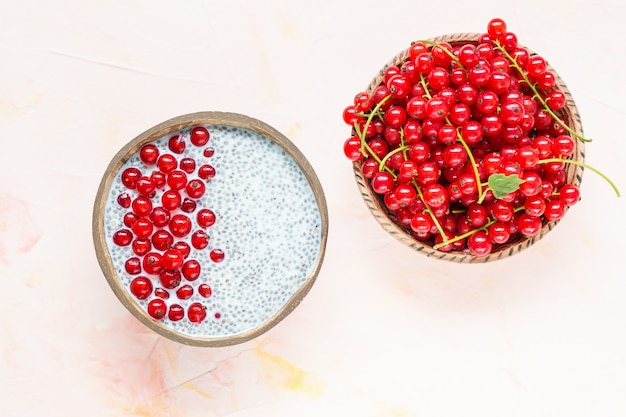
(369, 120)
(459, 138)
(533, 87)
(382, 162)
(450, 54)
(471, 232)
(470, 155)
(582, 164)
(430, 212)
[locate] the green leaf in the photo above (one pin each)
(501, 184)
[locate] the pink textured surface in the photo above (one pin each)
(384, 331)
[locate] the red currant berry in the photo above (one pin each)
(130, 176)
(152, 263)
(124, 200)
(188, 165)
(133, 266)
(479, 243)
(176, 312)
(199, 239)
(569, 194)
(129, 219)
(188, 205)
(528, 225)
(422, 223)
(435, 195)
(472, 132)
(352, 148)
(185, 292)
(141, 246)
(149, 154)
(556, 99)
(171, 200)
(191, 270)
(499, 233)
(555, 209)
(122, 237)
(536, 66)
(170, 278)
(161, 293)
(477, 215)
(143, 227)
(382, 182)
(205, 290)
(157, 308)
(395, 116)
(180, 225)
(199, 136)
(183, 247)
(167, 163)
(206, 172)
(195, 188)
(563, 146)
(208, 152)
(159, 179)
(177, 179)
(496, 29)
(532, 183)
(142, 206)
(160, 216)
(196, 313)
(177, 144)
(217, 255)
(535, 205)
(172, 259)
(205, 217)
(145, 186)
(162, 240)
(141, 287)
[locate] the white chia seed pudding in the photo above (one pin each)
(268, 224)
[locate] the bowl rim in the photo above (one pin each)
(380, 213)
(164, 128)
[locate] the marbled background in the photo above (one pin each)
(384, 331)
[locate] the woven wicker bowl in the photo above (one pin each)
(269, 286)
(377, 207)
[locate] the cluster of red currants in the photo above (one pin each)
(164, 222)
(467, 144)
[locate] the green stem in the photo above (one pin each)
(532, 86)
(391, 153)
(450, 54)
(430, 212)
(582, 164)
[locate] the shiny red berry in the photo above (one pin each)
(191, 270)
(133, 266)
(199, 136)
(217, 255)
(199, 239)
(149, 153)
(176, 312)
(141, 287)
(176, 144)
(170, 278)
(122, 237)
(205, 290)
(196, 313)
(157, 308)
(172, 259)
(180, 225)
(185, 292)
